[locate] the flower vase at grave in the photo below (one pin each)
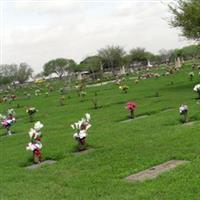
(31, 117)
(35, 144)
(197, 90)
(9, 132)
(81, 128)
(94, 101)
(132, 114)
(131, 106)
(191, 75)
(31, 112)
(185, 117)
(184, 113)
(81, 145)
(37, 156)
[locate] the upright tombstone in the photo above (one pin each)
(149, 63)
(122, 70)
(178, 62)
(79, 77)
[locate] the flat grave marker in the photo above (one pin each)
(155, 171)
(45, 162)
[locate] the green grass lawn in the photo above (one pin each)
(119, 149)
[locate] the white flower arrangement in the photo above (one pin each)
(183, 110)
(37, 92)
(156, 75)
(33, 147)
(197, 89)
(38, 126)
(31, 111)
(11, 112)
(124, 88)
(191, 73)
(2, 117)
(35, 144)
(81, 128)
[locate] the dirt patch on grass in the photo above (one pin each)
(45, 162)
(155, 171)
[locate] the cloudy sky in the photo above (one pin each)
(39, 30)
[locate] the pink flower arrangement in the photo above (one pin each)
(131, 106)
(8, 121)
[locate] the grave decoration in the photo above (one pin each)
(136, 81)
(62, 100)
(191, 75)
(197, 89)
(124, 88)
(8, 121)
(82, 95)
(37, 92)
(31, 111)
(131, 106)
(35, 144)
(95, 101)
(183, 110)
(81, 127)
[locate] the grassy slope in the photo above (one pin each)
(120, 148)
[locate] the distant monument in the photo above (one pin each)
(178, 62)
(79, 77)
(149, 64)
(122, 70)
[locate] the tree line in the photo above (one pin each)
(110, 58)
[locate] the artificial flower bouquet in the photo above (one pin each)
(31, 111)
(8, 121)
(131, 106)
(35, 144)
(191, 75)
(124, 88)
(81, 127)
(197, 89)
(183, 111)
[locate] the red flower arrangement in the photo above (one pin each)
(131, 106)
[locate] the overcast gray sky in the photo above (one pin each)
(39, 30)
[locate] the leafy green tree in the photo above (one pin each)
(24, 72)
(7, 73)
(140, 55)
(165, 55)
(187, 53)
(112, 57)
(58, 66)
(186, 15)
(10, 73)
(92, 64)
